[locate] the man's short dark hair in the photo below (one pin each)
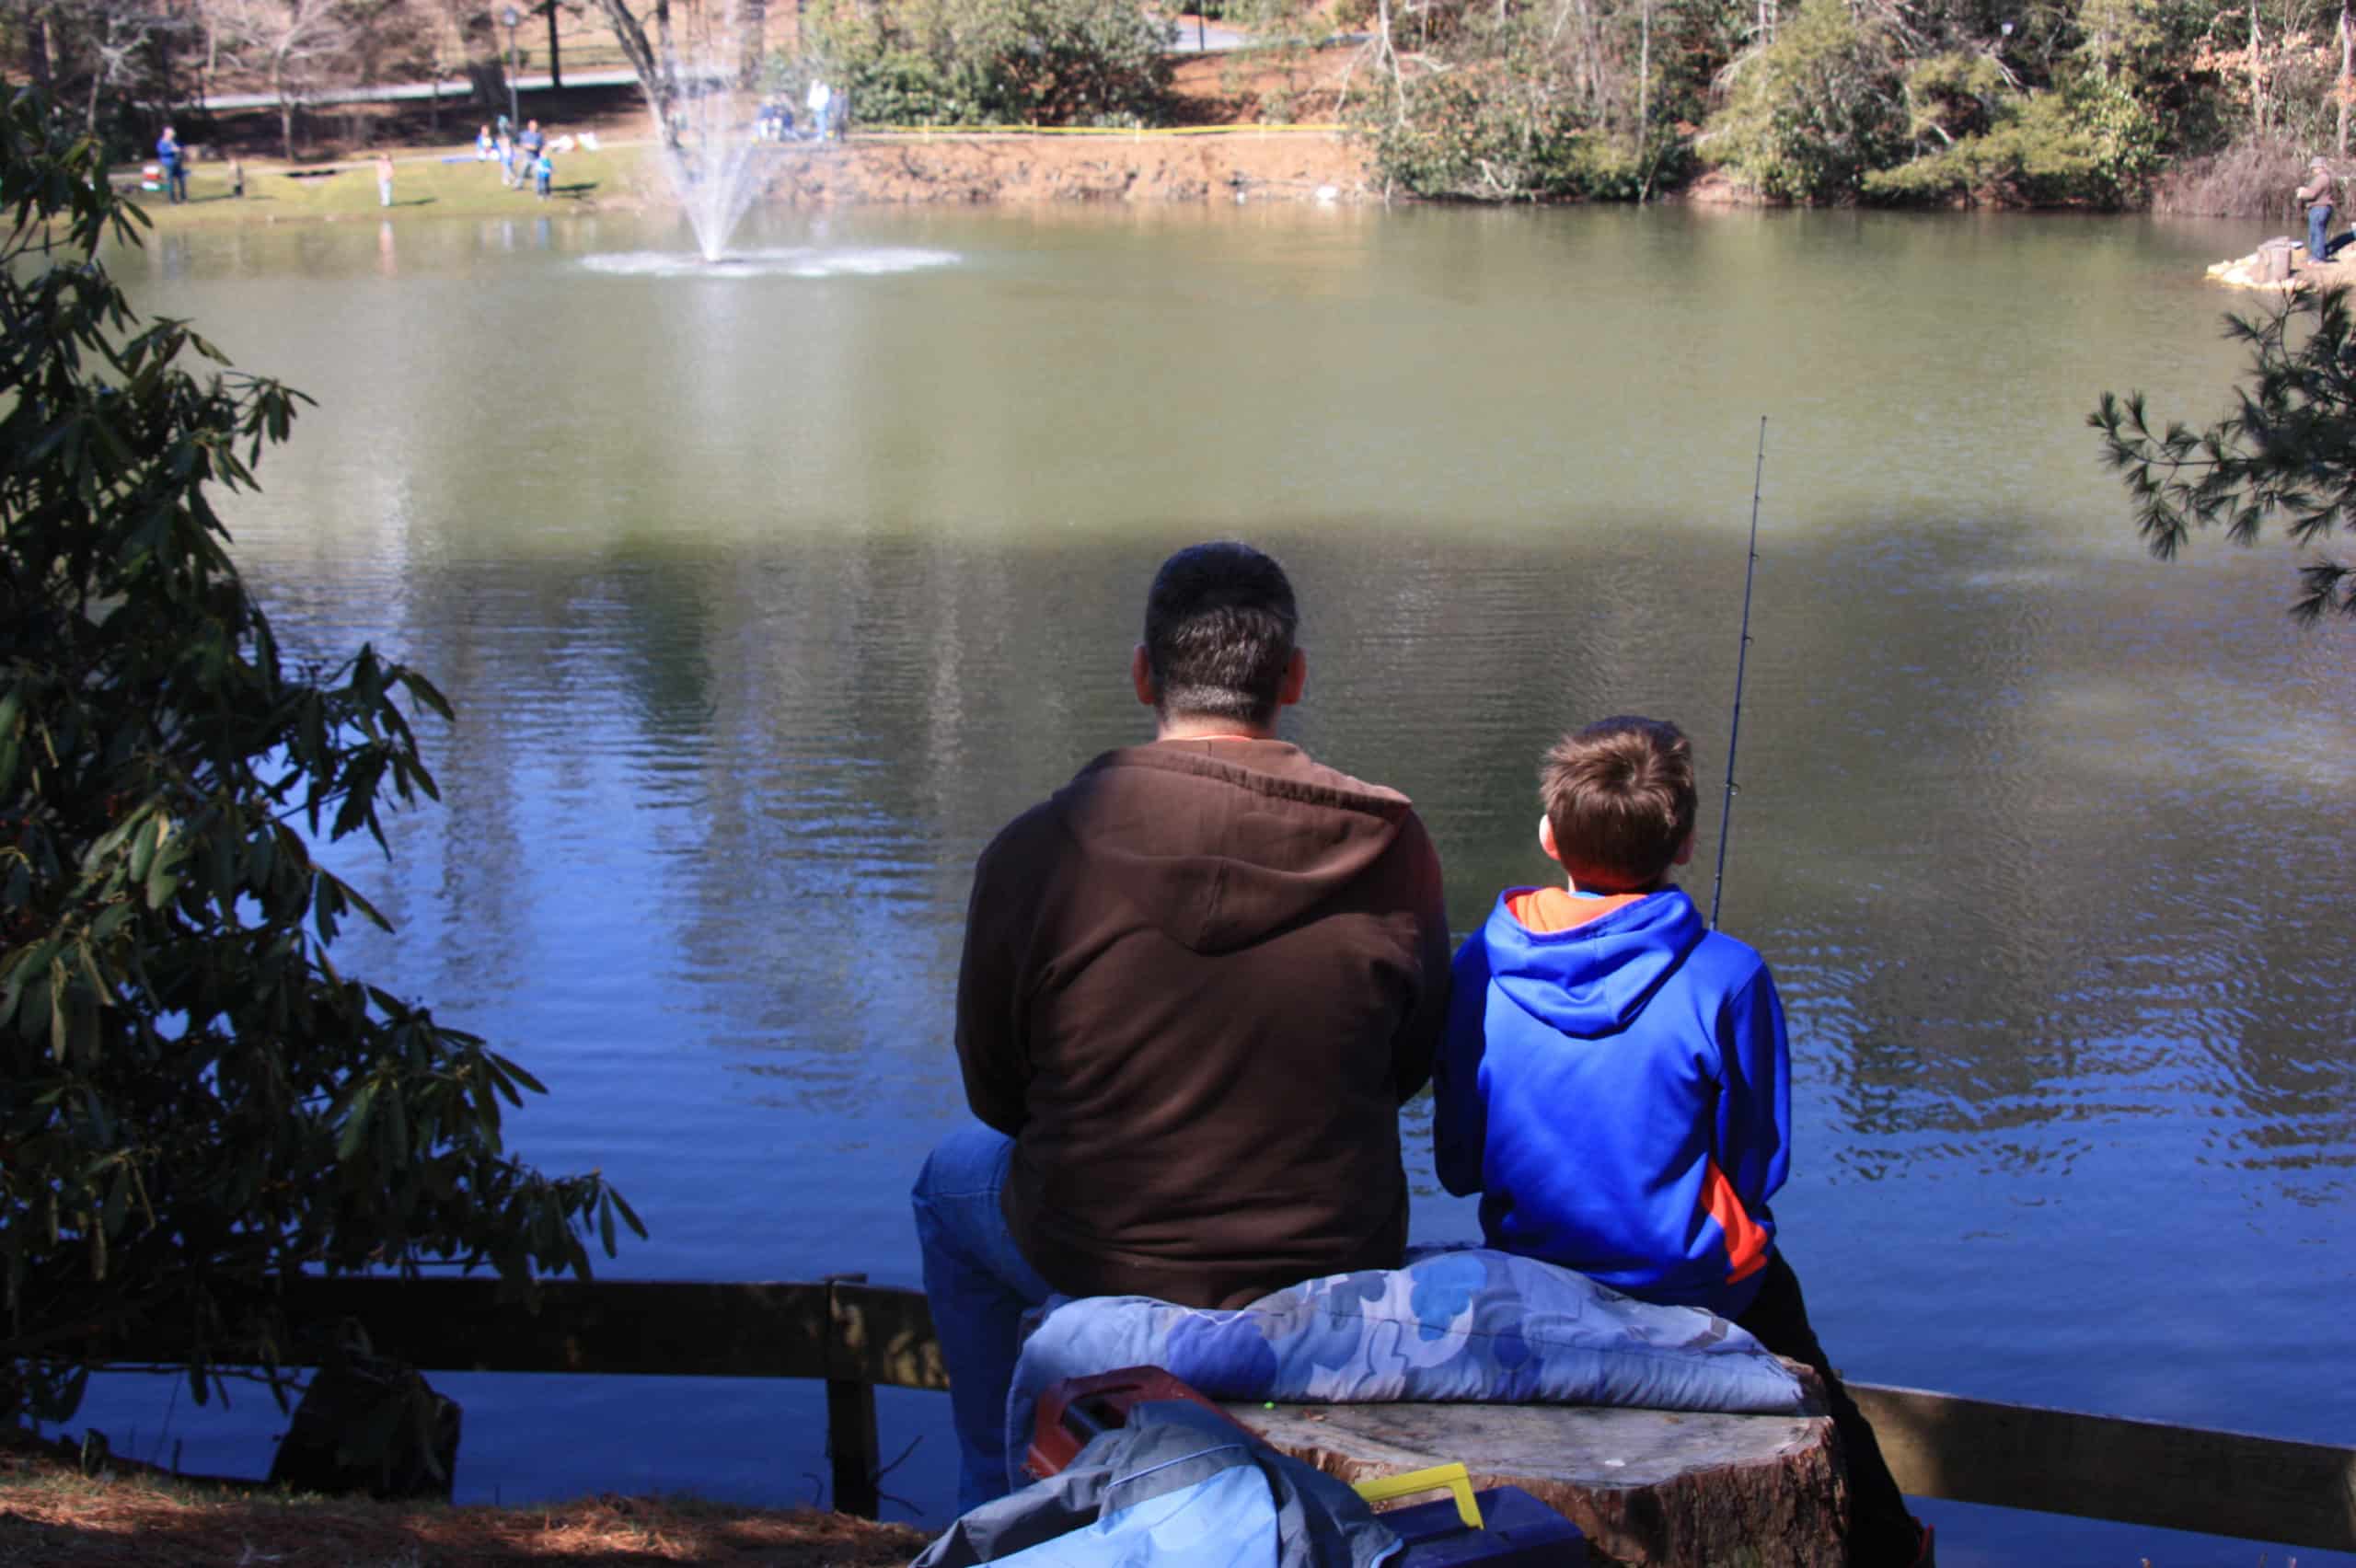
(1620, 797)
(1218, 630)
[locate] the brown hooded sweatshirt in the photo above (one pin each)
(1199, 981)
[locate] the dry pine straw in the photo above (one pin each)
(51, 1516)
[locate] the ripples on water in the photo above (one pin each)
(766, 609)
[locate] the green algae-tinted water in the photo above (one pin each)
(766, 596)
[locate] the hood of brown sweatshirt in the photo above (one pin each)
(1219, 843)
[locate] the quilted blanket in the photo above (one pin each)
(1468, 1325)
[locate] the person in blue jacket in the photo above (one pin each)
(175, 162)
(1615, 1081)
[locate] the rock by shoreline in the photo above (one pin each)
(2251, 272)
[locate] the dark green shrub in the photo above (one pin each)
(995, 61)
(194, 1102)
(1813, 114)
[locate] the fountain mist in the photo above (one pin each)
(715, 162)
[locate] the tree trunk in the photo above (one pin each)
(752, 43)
(285, 108)
(1391, 60)
(1643, 102)
(2347, 70)
(1647, 1487)
(653, 76)
(2257, 79)
(556, 68)
(38, 49)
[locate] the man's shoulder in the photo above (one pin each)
(1032, 830)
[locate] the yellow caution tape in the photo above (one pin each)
(1452, 1475)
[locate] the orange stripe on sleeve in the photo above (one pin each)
(1747, 1244)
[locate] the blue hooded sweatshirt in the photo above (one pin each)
(1616, 1086)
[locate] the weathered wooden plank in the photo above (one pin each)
(852, 1448)
(1939, 1444)
(883, 1334)
(1646, 1486)
(2107, 1466)
(667, 1328)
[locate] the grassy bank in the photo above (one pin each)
(53, 1516)
(424, 185)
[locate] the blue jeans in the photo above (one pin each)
(2318, 230)
(979, 1284)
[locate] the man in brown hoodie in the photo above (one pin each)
(1199, 981)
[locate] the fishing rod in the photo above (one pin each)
(1742, 657)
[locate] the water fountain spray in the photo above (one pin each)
(712, 153)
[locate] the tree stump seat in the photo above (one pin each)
(1646, 1486)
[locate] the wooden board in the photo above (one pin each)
(2266, 1488)
(1646, 1486)
(2107, 1466)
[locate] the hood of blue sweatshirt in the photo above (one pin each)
(1594, 979)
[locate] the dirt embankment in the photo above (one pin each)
(1242, 165)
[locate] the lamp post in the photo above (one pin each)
(510, 18)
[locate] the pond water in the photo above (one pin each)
(766, 596)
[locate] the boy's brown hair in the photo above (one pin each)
(1620, 797)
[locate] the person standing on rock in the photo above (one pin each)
(2318, 195)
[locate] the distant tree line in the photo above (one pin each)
(127, 67)
(2023, 102)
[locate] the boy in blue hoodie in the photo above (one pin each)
(1616, 1086)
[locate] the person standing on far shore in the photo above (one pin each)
(384, 179)
(167, 153)
(821, 96)
(543, 173)
(484, 145)
(2318, 195)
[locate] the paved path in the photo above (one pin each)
(460, 88)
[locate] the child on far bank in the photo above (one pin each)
(543, 172)
(1615, 1082)
(384, 179)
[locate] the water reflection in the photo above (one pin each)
(1984, 924)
